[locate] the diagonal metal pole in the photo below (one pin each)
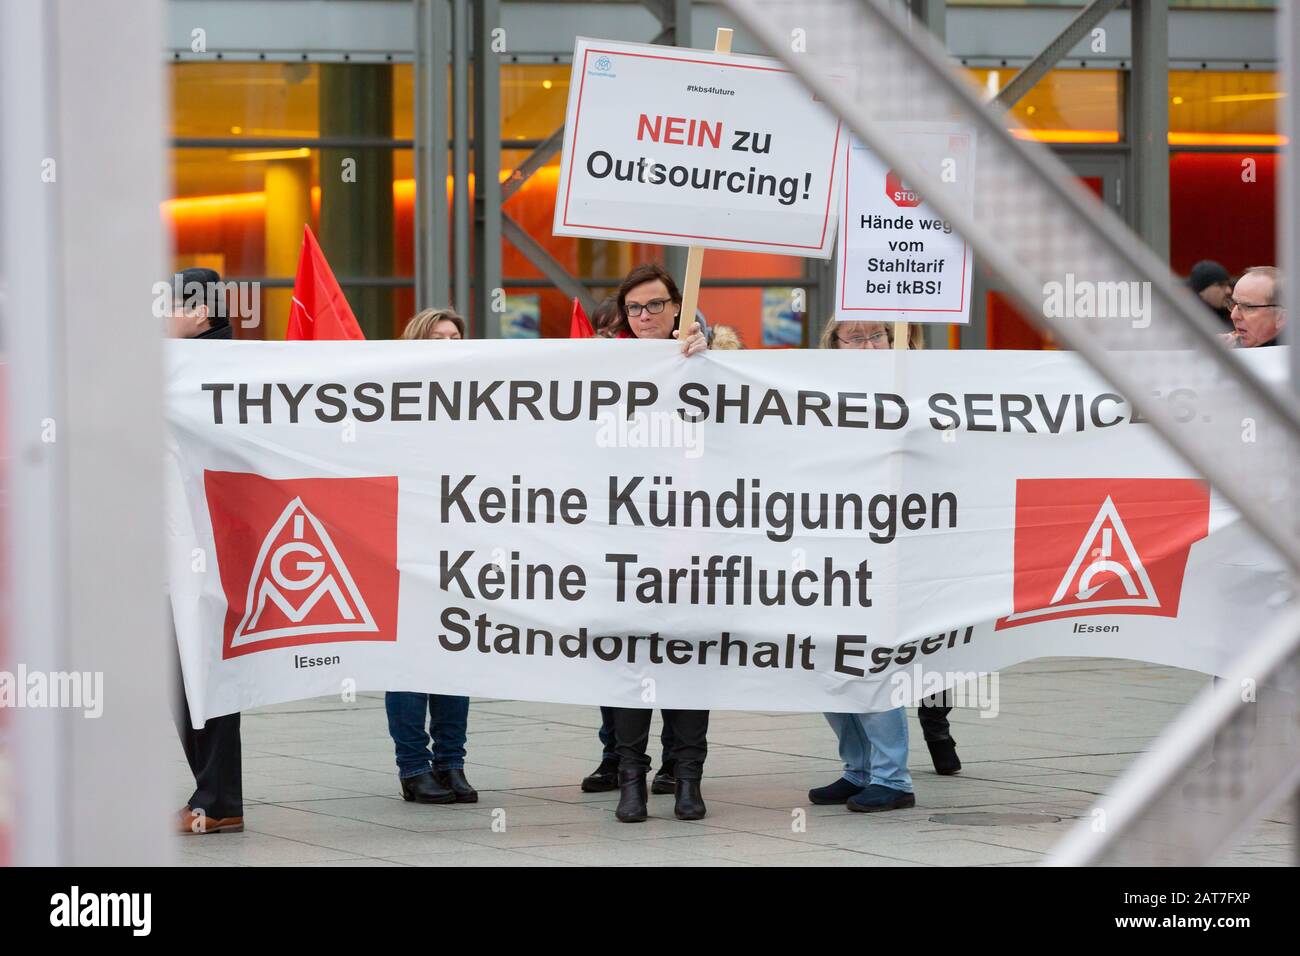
(674, 16)
(539, 157)
(551, 267)
(1041, 182)
(1038, 67)
(1147, 807)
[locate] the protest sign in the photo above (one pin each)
(696, 148)
(612, 523)
(897, 259)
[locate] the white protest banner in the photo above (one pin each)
(696, 148)
(898, 260)
(612, 523)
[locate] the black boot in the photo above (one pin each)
(664, 781)
(631, 796)
(944, 755)
(425, 788)
(604, 778)
(837, 793)
(689, 804)
(454, 780)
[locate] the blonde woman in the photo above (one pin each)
(880, 335)
(868, 335)
(435, 324)
(874, 746)
(415, 720)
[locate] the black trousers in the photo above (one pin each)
(689, 729)
(214, 754)
(608, 742)
(934, 721)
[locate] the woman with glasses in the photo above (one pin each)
(867, 335)
(649, 307)
(874, 746)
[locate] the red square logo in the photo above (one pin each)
(304, 560)
(1103, 545)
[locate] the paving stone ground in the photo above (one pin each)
(321, 787)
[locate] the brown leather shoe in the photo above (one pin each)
(194, 823)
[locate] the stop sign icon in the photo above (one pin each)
(899, 194)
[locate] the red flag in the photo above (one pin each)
(319, 309)
(579, 324)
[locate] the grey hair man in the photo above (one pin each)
(1258, 313)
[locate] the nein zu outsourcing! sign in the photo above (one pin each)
(694, 148)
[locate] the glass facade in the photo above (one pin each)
(1065, 106)
(1224, 108)
(259, 148)
(1224, 133)
(262, 148)
(236, 207)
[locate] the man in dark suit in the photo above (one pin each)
(213, 751)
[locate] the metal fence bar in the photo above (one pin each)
(1034, 226)
(462, 214)
(83, 528)
(1066, 40)
(432, 218)
(1167, 809)
(539, 157)
(486, 243)
(549, 266)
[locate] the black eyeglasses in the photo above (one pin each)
(876, 339)
(1232, 303)
(654, 307)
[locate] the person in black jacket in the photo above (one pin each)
(201, 311)
(213, 751)
(649, 307)
(1213, 286)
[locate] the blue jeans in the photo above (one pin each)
(447, 719)
(606, 735)
(874, 748)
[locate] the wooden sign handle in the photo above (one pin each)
(695, 254)
(900, 335)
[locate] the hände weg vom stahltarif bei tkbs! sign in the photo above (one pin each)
(899, 260)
